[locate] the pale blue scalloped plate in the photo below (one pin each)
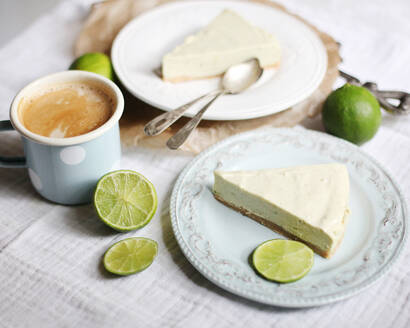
(217, 240)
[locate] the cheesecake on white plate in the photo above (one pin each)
(305, 203)
(229, 39)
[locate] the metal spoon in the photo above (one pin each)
(235, 80)
(163, 121)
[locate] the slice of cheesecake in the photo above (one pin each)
(229, 39)
(306, 203)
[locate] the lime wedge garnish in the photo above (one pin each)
(282, 260)
(130, 255)
(125, 200)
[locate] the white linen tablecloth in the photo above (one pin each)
(50, 255)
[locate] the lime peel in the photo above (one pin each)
(352, 113)
(95, 62)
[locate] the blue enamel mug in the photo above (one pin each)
(66, 170)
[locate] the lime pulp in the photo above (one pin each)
(130, 255)
(282, 260)
(125, 200)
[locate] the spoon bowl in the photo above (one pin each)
(240, 77)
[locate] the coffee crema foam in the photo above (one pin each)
(66, 110)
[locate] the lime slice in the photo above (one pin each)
(282, 260)
(125, 200)
(130, 255)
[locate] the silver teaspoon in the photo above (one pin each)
(165, 120)
(236, 79)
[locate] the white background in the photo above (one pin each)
(16, 15)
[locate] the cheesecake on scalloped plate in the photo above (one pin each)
(228, 39)
(305, 203)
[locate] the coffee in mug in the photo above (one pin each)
(66, 110)
(69, 124)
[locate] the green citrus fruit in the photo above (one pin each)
(95, 62)
(130, 255)
(282, 260)
(352, 113)
(125, 200)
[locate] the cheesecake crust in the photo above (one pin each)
(278, 229)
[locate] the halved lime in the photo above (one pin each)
(130, 255)
(125, 200)
(282, 260)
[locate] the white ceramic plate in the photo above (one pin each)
(138, 49)
(218, 240)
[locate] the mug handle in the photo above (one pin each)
(6, 161)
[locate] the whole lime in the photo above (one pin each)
(95, 62)
(352, 113)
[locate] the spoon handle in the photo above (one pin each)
(163, 121)
(179, 138)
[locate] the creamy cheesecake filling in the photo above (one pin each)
(256, 205)
(214, 64)
(229, 39)
(308, 202)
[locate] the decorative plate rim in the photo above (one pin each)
(280, 301)
(255, 112)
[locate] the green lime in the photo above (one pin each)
(352, 113)
(95, 62)
(125, 200)
(130, 255)
(282, 260)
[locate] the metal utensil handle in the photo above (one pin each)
(349, 78)
(7, 161)
(383, 96)
(179, 138)
(163, 121)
